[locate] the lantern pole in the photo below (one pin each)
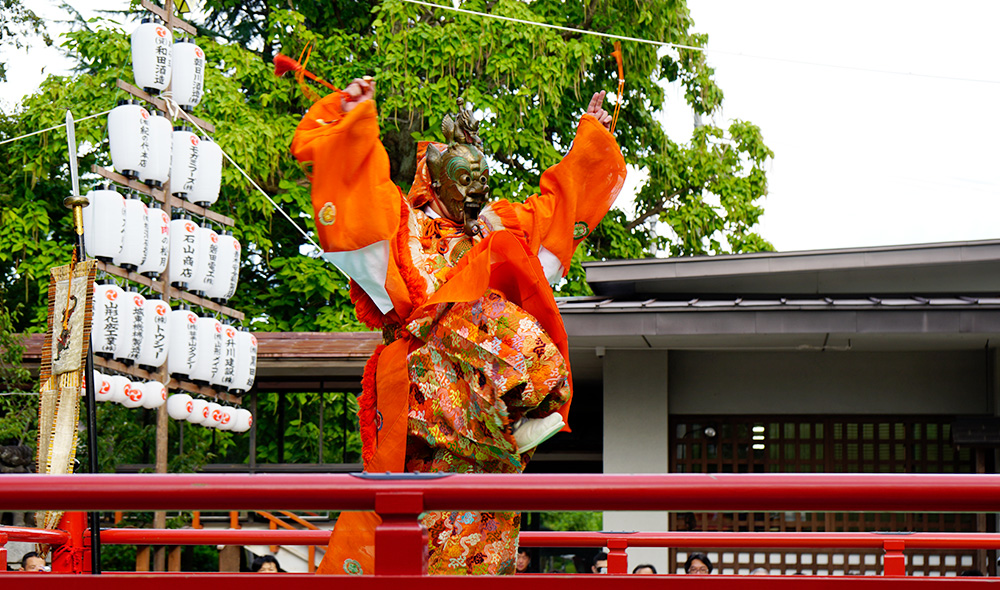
(76, 203)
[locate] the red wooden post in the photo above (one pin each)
(617, 557)
(74, 556)
(401, 539)
(893, 561)
(3, 550)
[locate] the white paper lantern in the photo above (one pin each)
(243, 420)
(208, 181)
(107, 331)
(128, 123)
(224, 375)
(134, 394)
(182, 342)
(151, 54)
(214, 415)
(227, 418)
(246, 360)
(154, 394)
(199, 412)
(206, 269)
(209, 349)
(183, 251)
(136, 237)
(102, 387)
(104, 224)
(188, 74)
(184, 161)
(155, 170)
(130, 311)
(118, 384)
(228, 269)
(155, 334)
(157, 243)
(180, 406)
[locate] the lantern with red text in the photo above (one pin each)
(183, 342)
(205, 190)
(157, 243)
(156, 168)
(104, 224)
(228, 268)
(209, 334)
(155, 334)
(206, 268)
(188, 74)
(151, 55)
(183, 251)
(128, 124)
(106, 332)
(134, 241)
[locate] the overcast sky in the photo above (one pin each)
(862, 158)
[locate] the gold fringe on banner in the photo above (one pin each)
(71, 293)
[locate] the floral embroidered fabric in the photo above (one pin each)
(484, 365)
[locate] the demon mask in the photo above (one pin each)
(460, 174)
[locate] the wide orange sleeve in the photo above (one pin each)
(575, 194)
(354, 200)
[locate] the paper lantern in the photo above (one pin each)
(157, 243)
(104, 224)
(128, 124)
(180, 406)
(188, 74)
(199, 412)
(102, 387)
(246, 360)
(226, 418)
(155, 334)
(154, 394)
(118, 384)
(134, 393)
(130, 311)
(214, 415)
(151, 54)
(135, 238)
(206, 268)
(106, 332)
(155, 169)
(183, 251)
(182, 344)
(224, 374)
(243, 420)
(184, 161)
(205, 190)
(209, 349)
(228, 266)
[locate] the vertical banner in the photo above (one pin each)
(61, 375)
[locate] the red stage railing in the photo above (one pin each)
(400, 499)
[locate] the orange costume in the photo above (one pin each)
(474, 341)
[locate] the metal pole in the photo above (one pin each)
(76, 203)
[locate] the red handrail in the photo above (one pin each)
(534, 492)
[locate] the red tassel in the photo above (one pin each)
(284, 64)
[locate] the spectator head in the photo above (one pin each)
(32, 562)
(523, 561)
(264, 564)
(759, 572)
(644, 569)
(600, 563)
(698, 563)
(972, 573)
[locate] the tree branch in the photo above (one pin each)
(667, 199)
